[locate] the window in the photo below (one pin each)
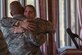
(67, 18)
(0, 9)
(30, 2)
(61, 22)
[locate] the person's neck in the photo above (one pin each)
(17, 15)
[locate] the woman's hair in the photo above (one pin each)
(32, 7)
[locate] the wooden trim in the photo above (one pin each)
(42, 7)
(52, 16)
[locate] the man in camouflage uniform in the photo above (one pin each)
(21, 40)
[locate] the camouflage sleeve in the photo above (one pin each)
(49, 27)
(44, 26)
(3, 46)
(39, 39)
(7, 22)
(40, 34)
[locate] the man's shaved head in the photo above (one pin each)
(16, 8)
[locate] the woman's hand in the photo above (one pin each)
(28, 25)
